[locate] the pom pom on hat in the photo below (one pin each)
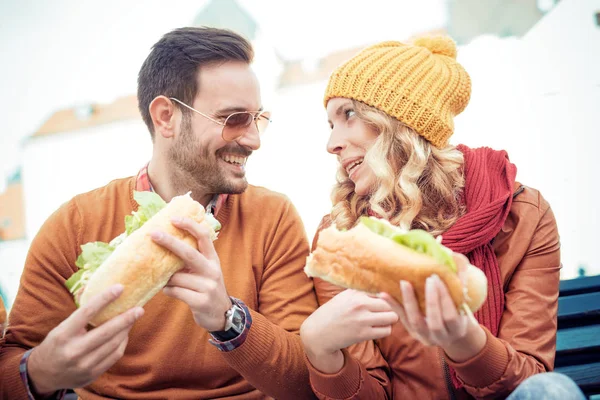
(442, 45)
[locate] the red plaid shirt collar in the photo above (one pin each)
(143, 184)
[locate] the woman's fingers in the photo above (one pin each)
(456, 324)
(414, 317)
(434, 320)
(385, 318)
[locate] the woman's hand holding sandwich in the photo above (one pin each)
(458, 334)
(348, 318)
(200, 283)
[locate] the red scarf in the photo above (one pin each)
(488, 193)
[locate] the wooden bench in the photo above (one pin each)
(578, 336)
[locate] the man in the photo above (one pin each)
(247, 292)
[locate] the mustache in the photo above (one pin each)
(235, 149)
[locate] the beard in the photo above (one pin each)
(198, 169)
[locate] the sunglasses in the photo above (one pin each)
(237, 123)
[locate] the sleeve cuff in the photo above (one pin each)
(486, 367)
(25, 378)
(345, 383)
(241, 338)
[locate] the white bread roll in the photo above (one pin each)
(140, 265)
(363, 260)
(476, 287)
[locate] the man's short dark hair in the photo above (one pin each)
(172, 65)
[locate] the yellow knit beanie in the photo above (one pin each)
(420, 84)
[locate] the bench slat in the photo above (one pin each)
(577, 339)
(578, 335)
(585, 375)
(586, 284)
(586, 305)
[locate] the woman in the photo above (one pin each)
(391, 111)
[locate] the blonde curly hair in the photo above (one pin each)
(418, 185)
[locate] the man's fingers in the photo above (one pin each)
(201, 232)
(98, 355)
(104, 333)
(193, 259)
(194, 282)
(80, 318)
(107, 356)
(190, 297)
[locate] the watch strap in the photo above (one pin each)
(230, 340)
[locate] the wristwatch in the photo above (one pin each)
(235, 319)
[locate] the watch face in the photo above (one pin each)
(237, 319)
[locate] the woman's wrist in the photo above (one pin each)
(325, 361)
(468, 346)
(322, 359)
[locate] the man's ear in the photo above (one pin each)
(163, 113)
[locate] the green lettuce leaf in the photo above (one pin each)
(416, 239)
(92, 256)
(72, 281)
(149, 204)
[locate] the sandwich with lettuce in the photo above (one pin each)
(132, 258)
(374, 256)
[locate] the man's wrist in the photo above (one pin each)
(233, 326)
(224, 325)
(238, 340)
(34, 378)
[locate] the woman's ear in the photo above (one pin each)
(162, 111)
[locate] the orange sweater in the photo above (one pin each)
(262, 248)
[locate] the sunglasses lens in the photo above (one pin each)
(237, 124)
(262, 122)
(239, 120)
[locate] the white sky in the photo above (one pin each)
(60, 53)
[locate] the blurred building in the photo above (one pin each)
(13, 242)
(469, 19)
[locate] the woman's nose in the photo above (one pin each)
(336, 144)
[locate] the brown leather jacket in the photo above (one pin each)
(398, 366)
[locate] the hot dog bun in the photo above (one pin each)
(140, 265)
(364, 260)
